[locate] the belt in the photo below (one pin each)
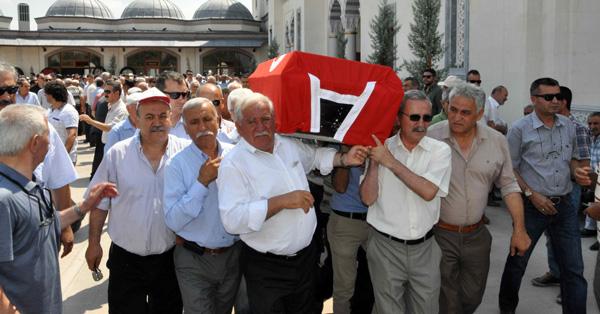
(556, 199)
(408, 242)
(358, 216)
(460, 229)
(194, 247)
(282, 257)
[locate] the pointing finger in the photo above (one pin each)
(377, 141)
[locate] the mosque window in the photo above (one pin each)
(152, 62)
(23, 12)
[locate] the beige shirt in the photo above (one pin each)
(400, 212)
(488, 163)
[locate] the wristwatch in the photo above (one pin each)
(78, 211)
(527, 193)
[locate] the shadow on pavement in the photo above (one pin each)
(87, 300)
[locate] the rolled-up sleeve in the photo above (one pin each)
(316, 157)
(506, 181)
(514, 146)
(182, 203)
(240, 213)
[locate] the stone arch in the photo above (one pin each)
(152, 61)
(335, 26)
(71, 60)
(230, 61)
(350, 19)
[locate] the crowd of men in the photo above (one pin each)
(208, 208)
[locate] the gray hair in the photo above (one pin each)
(195, 103)
(235, 98)
(5, 67)
(18, 124)
(234, 85)
(469, 91)
(250, 100)
(413, 95)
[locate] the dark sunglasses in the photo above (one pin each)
(417, 117)
(10, 89)
(475, 81)
(549, 97)
(107, 91)
(177, 95)
(216, 102)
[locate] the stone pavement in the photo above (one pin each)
(82, 295)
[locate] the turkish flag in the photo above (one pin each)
(332, 99)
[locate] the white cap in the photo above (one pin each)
(152, 95)
(450, 81)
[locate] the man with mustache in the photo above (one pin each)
(264, 197)
(405, 180)
(480, 159)
(142, 274)
(207, 264)
(544, 153)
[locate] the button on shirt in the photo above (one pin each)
(400, 212)
(120, 131)
(136, 219)
(472, 176)
(248, 177)
(542, 155)
(63, 118)
(192, 209)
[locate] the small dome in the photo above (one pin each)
(87, 8)
(152, 8)
(223, 9)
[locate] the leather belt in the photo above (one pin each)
(358, 216)
(459, 229)
(428, 235)
(195, 248)
(556, 199)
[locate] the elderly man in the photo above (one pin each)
(213, 93)
(480, 159)
(116, 110)
(544, 153)
(207, 264)
(235, 99)
(29, 224)
(65, 119)
(447, 86)
(494, 101)
(264, 197)
(25, 96)
(173, 85)
(126, 128)
(142, 274)
(405, 180)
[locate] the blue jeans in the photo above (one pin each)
(566, 243)
(575, 199)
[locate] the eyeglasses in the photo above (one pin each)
(417, 117)
(475, 81)
(216, 102)
(177, 95)
(10, 89)
(550, 97)
(106, 91)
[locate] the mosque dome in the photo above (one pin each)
(152, 9)
(223, 9)
(86, 8)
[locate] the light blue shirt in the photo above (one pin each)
(349, 201)
(191, 209)
(120, 131)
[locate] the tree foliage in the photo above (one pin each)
(424, 40)
(273, 49)
(384, 27)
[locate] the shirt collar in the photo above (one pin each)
(422, 143)
(537, 123)
(200, 153)
(15, 176)
(253, 149)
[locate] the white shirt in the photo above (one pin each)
(64, 118)
(41, 94)
(89, 92)
(400, 212)
(30, 99)
(136, 219)
(57, 169)
(490, 112)
(248, 177)
(116, 113)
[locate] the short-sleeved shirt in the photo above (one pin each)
(29, 272)
(120, 131)
(472, 176)
(116, 113)
(29, 99)
(56, 170)
(350, 201)
(400, 212)
(595, 153)
(583, 138)
(542, 155)
(63, 118)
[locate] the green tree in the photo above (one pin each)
(384, 28)
(273, 49)
(424, 40)
(112, 67)
(340, 43)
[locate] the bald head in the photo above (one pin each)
(210, 91)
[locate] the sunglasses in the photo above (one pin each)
(216, 102)
(549, 97)
(427, 76)
(10, 89)
(177, 95)
(107, 92)
(475, 81)
(417, 117)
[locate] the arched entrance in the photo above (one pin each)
(152, 62)
(73, 61)
(228, 62)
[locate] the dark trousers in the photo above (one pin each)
(566, 243)
(98, 155)
(278, 284)
(142, 284)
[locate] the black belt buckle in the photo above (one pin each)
(555, 199)
(192, 246)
